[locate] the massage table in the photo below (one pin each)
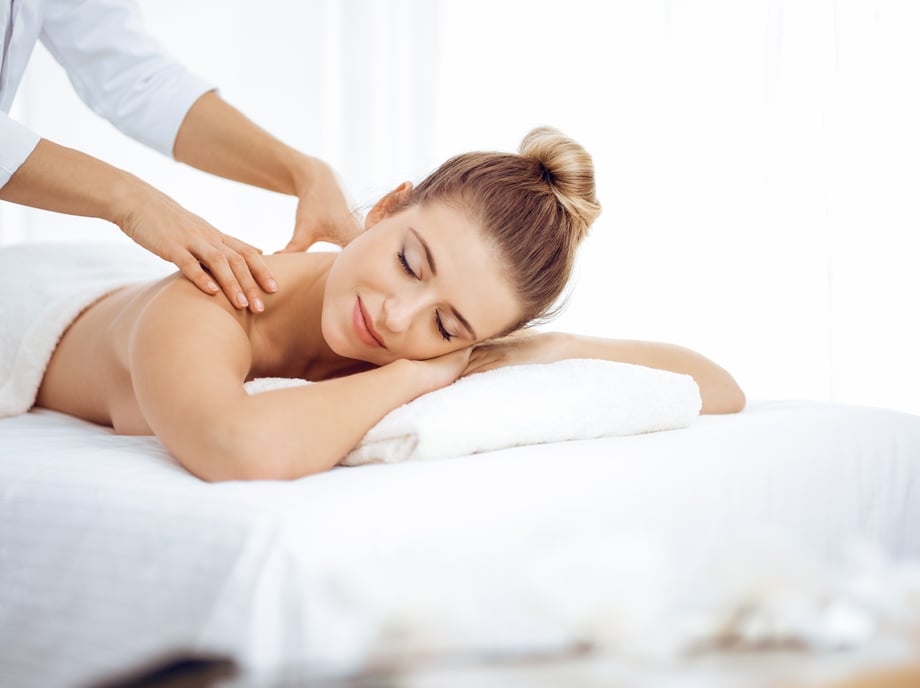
(112, 555)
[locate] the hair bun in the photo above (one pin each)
(569, 171)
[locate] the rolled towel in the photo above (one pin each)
(526, 404)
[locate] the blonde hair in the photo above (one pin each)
(536, 206)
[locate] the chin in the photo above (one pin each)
(339, 340)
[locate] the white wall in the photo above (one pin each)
(757, 160)
(758, 165)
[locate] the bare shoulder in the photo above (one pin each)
(190, 352)
(289, 269)
(187, 356)
(179, 318)
(211, 337)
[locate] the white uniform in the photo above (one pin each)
(118, 70)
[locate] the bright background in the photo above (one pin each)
(758, 160)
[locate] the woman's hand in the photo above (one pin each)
(517, 349)
(162, 226)
(435, 373)
(323, 213)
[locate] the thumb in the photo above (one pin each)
(295, 246)
(301, 241)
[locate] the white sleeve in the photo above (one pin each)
(16, 144)
(119, 70)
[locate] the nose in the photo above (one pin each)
(401, 309)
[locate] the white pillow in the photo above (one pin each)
(525, 404)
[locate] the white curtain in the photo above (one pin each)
(758, 160)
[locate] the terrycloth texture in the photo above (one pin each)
(45, 287)
(527, 404)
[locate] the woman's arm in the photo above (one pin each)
(188, 360)
(718, 389)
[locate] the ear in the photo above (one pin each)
(389, 203)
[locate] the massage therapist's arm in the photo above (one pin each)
(217, 138)
(188, 359)
(718, 390)
(65, 180)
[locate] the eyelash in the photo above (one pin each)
(405, 263)
(445, 335)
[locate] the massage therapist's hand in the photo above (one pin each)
(323, 213)
(162, 226)
(517, 349)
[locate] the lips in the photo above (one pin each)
(364, 327)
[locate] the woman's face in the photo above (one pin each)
(417, 284)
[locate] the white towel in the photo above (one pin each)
(45, 287)
(526, 404)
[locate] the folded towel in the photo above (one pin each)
(526, 404)
(45, 287)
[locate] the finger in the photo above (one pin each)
(480, 361)
(251, 290)
(471, 367)
(480, 353)
(259, 269)
(473, 370)
(464, 355)
(469, 370)
(239, 245)
(217, 264)
(257, 265)
(295, 246)
(191, 269)
(304, 236)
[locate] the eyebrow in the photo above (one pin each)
(434, 271)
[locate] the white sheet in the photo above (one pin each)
(111, 554)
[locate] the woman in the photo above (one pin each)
(481, 248)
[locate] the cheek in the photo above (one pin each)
(335, 319)
(426, 344)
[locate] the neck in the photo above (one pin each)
(288, 338)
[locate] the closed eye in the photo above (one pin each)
(405, 264)
(447, 336)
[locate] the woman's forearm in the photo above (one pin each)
(718, 390)
(298, 431)
(290, 433)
